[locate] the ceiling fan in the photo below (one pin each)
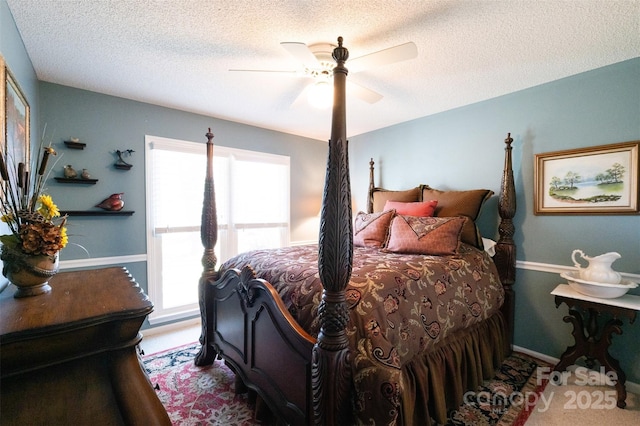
(317, 63)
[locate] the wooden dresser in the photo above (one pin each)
(70, 356)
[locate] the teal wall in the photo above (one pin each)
(15, 56)
(106, 123)
(464, 149)
(16, 59)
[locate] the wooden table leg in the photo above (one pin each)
(137, 400)
(594, 348)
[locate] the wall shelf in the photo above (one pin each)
(75, 145)
(76, 180)
(96, 213)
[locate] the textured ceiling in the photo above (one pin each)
(177, 53)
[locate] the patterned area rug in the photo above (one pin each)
(197, 395)
(509, 398)
(206, 395)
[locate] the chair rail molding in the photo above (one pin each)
(102, 261)
(558, 269)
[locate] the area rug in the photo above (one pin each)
(508, 399)
(206, 395)
(197, 395)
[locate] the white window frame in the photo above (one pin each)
(227, 238)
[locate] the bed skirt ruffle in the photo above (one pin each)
(436, 382)
(431, 385)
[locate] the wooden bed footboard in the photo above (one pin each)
(245, 322)
(254, 333)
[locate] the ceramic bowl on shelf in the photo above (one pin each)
(594, 289)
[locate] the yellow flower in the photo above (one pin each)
(47, 208)
(28, 213)
(63, 237)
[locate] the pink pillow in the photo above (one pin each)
(370, 229)
(435, 236)
(421, 208)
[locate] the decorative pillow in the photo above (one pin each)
(435, 236)
(460, 203)
(420, 208)
(381, 196)
(370, 229)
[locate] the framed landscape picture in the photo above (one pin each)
(15, 119)
(14, 130)
(595, 180)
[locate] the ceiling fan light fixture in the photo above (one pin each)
(317, 63)
(320, 95)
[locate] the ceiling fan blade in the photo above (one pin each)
(301, 99)
(301, 52)
(363, 93)
(398, 53)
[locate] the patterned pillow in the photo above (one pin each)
(370, 229)
(435, 236)
(460, 203)
(421, 208)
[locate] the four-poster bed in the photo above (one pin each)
(329, 339)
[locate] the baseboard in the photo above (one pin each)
(630, 386)
(161, 329)
(302, 242)
(540, 356)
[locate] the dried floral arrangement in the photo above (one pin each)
(32, 216)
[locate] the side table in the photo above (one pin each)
(591, 341)
(70, 356)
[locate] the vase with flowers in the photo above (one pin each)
(37, 233)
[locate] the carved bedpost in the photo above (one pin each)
(372, 187)
(505, 257)
(209, 237)
(209, 227)
(331, 363)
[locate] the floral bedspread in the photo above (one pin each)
(400, 305)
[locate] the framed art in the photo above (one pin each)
(596, 180)
(15, 119)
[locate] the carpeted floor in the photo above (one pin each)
(206, 395)
(585, 405)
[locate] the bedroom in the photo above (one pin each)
(593, 108)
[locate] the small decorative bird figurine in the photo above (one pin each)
(114, 203)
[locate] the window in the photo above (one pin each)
(252, 200)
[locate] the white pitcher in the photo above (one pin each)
(599, 269)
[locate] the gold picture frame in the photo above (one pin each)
(596, 180)
(15, 113)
